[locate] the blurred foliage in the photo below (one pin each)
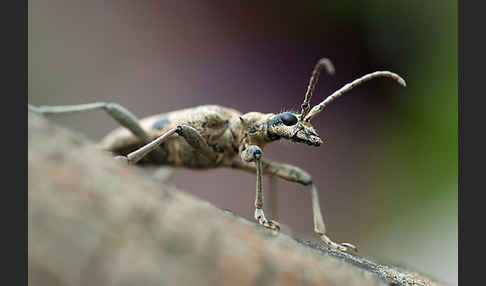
(423, 125)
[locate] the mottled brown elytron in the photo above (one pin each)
(211, 136)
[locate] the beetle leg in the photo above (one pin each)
(254, 153)
(296, 174)
(285, 171)
(190, 134)
(195, 139)
(122, 115)
(141, 152)
(320, 227)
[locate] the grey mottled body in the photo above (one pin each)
(219, 126)
(211, 136)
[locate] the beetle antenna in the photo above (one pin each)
(322, 63)
(318, 108)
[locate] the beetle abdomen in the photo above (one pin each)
(211, 121)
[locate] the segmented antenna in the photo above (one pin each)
(322, 63)
(318, 108)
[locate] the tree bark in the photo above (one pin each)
(93, 220)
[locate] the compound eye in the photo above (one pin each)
(288, 118)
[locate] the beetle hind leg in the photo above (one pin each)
(119, 113)
(122, 115)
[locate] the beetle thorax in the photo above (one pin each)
(255, 128)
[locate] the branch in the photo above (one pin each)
(96, 221)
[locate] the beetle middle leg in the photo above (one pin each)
(191, 136)
(296, 174)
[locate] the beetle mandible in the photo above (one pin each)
(211, 136)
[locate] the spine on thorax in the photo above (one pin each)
(254, 130)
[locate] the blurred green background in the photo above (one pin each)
(387, 174)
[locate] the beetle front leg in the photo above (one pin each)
(254, 153)
(320, 227)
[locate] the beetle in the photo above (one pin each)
(211, 136)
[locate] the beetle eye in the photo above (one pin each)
(288, 118)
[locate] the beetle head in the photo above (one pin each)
(289, 126)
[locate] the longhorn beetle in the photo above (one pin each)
(211, 136)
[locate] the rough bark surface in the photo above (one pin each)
(94, 221)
